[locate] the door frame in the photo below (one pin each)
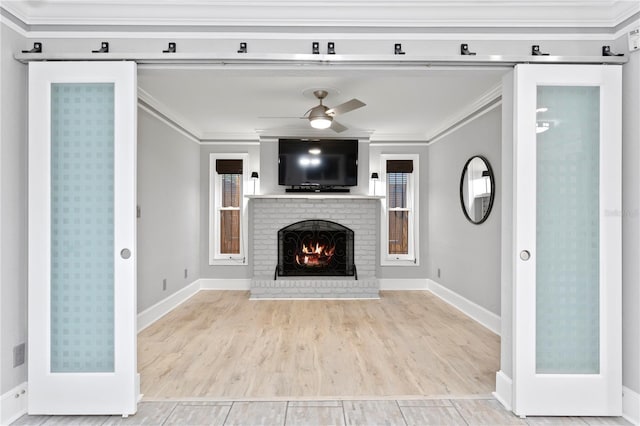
(506, 379)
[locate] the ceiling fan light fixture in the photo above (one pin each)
(320, 122)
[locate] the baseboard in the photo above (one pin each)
(225, 284)
(469, 308)
(630, 405)
(13, 404)
(403, 284)
(504, 390)
(163, 307)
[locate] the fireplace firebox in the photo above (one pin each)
(315, 248)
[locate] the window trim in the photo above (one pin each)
(215, 189)
(413, 203)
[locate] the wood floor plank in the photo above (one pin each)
(220, 344)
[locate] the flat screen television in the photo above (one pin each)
(321, 164)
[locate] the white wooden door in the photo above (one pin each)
(82, 238)
(567, 292)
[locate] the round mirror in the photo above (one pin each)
(477, 189)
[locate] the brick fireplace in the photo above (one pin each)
(271, 214)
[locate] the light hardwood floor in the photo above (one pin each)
(221, 345)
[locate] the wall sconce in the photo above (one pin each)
(254, 176)
(374, 177)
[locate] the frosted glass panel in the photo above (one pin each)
(568, 246)
(82, 227)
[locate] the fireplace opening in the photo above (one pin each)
(315, 248)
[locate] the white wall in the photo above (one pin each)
(467, 255)
(13, 208)
(169, 201)
(630, 215)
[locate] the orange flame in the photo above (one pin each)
(315, 254)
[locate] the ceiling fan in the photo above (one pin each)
(321, 116)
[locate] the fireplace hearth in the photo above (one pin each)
(315, 248)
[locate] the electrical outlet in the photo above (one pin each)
(18, 355)
(186, 273)
(164, 284)
(438, 272)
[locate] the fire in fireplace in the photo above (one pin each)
(315, 255)
(315, 247)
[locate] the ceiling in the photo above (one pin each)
(236, 104)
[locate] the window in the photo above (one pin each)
(229, 212)
(227, 215)
(401, 213)
(398, 212)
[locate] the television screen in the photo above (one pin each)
(323, 163)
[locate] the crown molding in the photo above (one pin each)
(329, 14)
(14, 24)
(170, 115)
(252, 142)
(432, 34)
(464, 115)
(309, 132)
(628, 26)
(393, 138)
(163, 119)
(222, 137)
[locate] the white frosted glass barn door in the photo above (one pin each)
(82, 251)
(568, 240)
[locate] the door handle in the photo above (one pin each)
(525, 255)
(125, 253)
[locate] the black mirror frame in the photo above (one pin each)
(493, 189)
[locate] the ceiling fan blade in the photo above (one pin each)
(346, 107)
(337, 127)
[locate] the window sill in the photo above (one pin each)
(399, 262)
(228, 262)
